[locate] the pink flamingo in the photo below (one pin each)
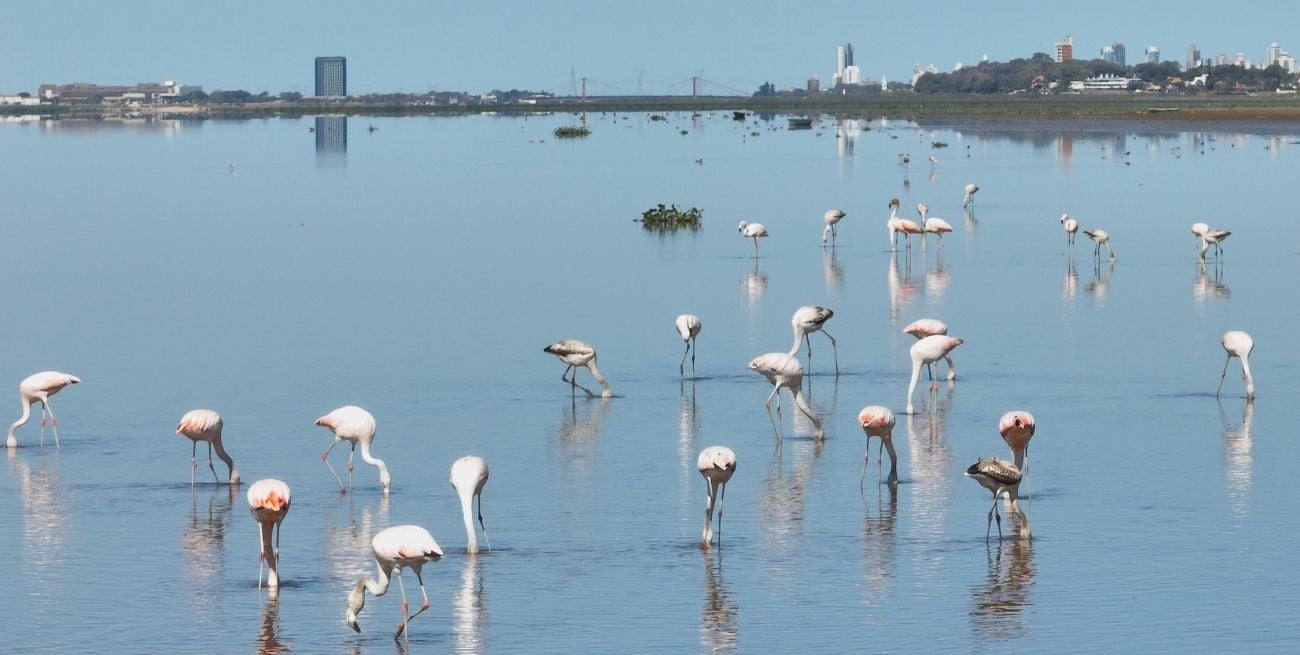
(1017, 428)
(38, 387)
(268, 501)
(999, 475)
(357, 426)
(205, 425)
(928, 327)
(931, 225)
(468, 475)
(1238, 344)
(926, 352)
(782, 370)
(878, 421)
(716, 464)
(896, 225)
(398, 547)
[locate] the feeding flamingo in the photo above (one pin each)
(688, 327)
(468, 475)
(1215, 238)
(577, 353)
(716, 464)
(809, 319)
(927, 327)
(783, 370)
(1238, 344)
(832, 218)
(926, 352)
(205, 425)
(969, 197)
(396, 548)
(38, 387)
(1017, 428)
(999, 475)
(753, 231)
(357, 426)
(878, 421)
(268, 501)
(1100, 237)
(1071, 226)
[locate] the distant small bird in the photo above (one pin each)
(1100, 237)
(356, 426)
(1238, 344)
(468, 475)
(396, 548)
(1071, 226)
(928, 327)
(878, 421)
(38, 387)
(998, 475)
(205, 425)
(753, 231)
(927, 351)
(832, 218)
(969, 197)
(268, 501)
(809, 319)
(783, 370)
(904, 158)
(577, 353)
(717, 464)
(688, 327)
(933, 161)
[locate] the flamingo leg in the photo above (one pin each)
(835, 351)
(42, 425)
(866, 457)
(776, 428)
(480, 521)
(210, 466)
(194, 460)
(424, 594)
(988, 525)
(880, 458)
(1222, 375)
(997, 515)
(261, 557)
(707, 539)
(351, 454)
(721, 500)
(681, 366)
(755, 247)
(325, 457)
(401, 628)
(54, 422)
(692, 357)
(573, 382)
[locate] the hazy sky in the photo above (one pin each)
(423, 45)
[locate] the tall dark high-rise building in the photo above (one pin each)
(331, 76)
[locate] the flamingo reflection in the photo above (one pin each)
(467, 611)
(1001, 598)
(1101, 280)
(879, 545)
(1209, 286)
(719, 629)
(1070, 284)
(353, 535)
(43, 511)
(782, 502)
(901, 289)
(937, 279)
(268, 636)
(577, 433)
(1238, 462)
(832, 274)
(203, 537)
(931, 462)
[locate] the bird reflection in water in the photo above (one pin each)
(203, 536)
(268, 636)
(1238, 463)
(832, 273)
(578, 431)
(467, 610)
(1101, 280)
(752, 287)
(937, 278)
(343, 542)
(969, 214)
(879, 540)
(931, 463)
(719, 630)
(901, 289)
(999, 601)
(1070, 284)
(1209, 285)
(688, 430)
(782, 503)
(43, 509)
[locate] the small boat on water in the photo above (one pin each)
(801, 123)
(738, 116)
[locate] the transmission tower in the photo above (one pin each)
(573, 83)
(640, 75)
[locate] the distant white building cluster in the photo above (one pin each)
(848, 76)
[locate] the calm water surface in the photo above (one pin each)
(419, 269)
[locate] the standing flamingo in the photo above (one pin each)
(577, 353)
(878, 421)
(468, 475)
(927, 351)
(357, 426)
(999, 475)
(809, 319)
(716, 464)
(783, 370)
(927, 327)
(1238, 344)
(38, 387)
(1199, 230)
(1100, 237)
(1071, 226)
(1216, 238)
(832, 218)
(268, 501)
(1017, 428)
(933, 162)
(205, 425)
(931, 225)
(753, 231)
(903, 225)
(969, 197)
(398, 547)
(688, 327)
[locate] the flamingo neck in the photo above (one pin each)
(12, 441)
(466, 510)
(595, 372)
(1245, 373)
(798, 337)
(804, 407)
(376, 462)
(377, 587)
(893, 456)
(225, 457)
(272, 557)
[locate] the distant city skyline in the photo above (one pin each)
(422, 46)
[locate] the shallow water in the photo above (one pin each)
(419, 269)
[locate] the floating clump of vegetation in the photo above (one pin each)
(663, 217)
(938, 144)
(572, 132)
(658, 117)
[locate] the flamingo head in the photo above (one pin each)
(876, 421)
(1064, 216)
(894, 203)
(742, 226)
(385, 480)
(1017, 426)
(356, 601)
(325, 421)
(274, 501)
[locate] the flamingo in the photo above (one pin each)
(205, 425)
(931, 225)
(1199, 230)
(468, 475)
(969, 197)
(38, 387)
(832, 218)
(809, 319)
(897, 225)
(999, 475)
(927, 351)
(927, 327)
(355, 425)
(933, 162)
(878, 421)
(1216, 238)
(1017, 428)
(1238, 344)
(783, 370)
(716, 464)
(753, 231)
(398, 547)
(688, 326)
(577, 353)
(1100, 237)
(268, 501)
(904, 159)
(1071, 226)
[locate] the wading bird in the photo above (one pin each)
(1213, 237)
(928, 327)
(809, 319)
(999, 475)
(1238, 344)
(832, 218)
(38, 387)
(357, 426)
(396, 548)
(716, 464)
(268, 501)
(926, 352)
(1100, 237)
(969, 197)
(1071, 226)
(753, 231)
(577, 353)
(468, 475)
(688, 327)
(1017, 428)
(878, 421)
(896, 225)
(783, 370)
(205, 425)
(931, 225)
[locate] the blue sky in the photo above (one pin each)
(410, 45)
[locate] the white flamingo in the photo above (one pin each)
(926, 352)
(928, 327)
(38, 387)
(1100, 237)
(969, 197)
(753, 231)
(468, 475)
(1238, 344)
(716, 464)
(783, 370)
(1071, 226)
(268, 501)
(579, 353)
(809, 319)
(396, 548)
(356, 426)
(688, 327)
(931, 225)
(832, 218)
